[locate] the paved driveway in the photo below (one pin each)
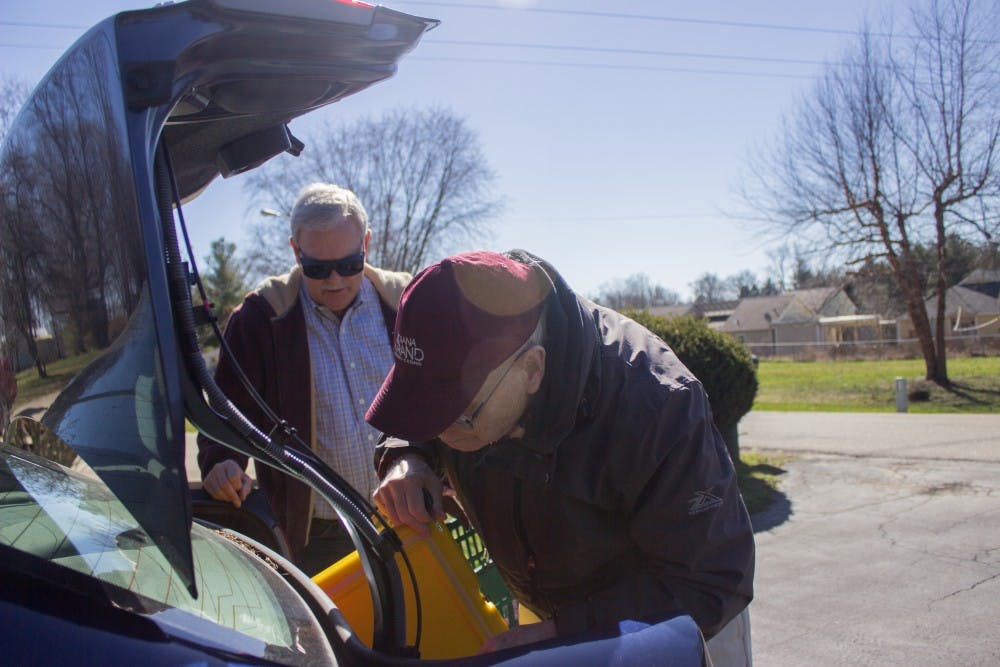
(884, 547)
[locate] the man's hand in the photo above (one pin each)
(401, 495)
(227, 481)
(521, 635)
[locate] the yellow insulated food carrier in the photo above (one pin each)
(456, 618)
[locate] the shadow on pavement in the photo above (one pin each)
(776, 514)
(768, 506)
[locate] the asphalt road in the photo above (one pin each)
(883, 546)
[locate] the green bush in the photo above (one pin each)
(723, 365)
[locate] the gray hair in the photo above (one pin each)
(323, 206)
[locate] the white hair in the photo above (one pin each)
(323, 206)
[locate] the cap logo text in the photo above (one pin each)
(407, 351)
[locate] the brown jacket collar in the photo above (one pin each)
(281, 292)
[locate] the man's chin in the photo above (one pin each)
(336, 301)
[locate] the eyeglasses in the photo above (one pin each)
(468, 423)
(320, 269)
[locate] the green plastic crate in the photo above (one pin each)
(490, 582)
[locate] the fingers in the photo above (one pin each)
(247, 485)
(402, 500)
(402, 494)
(226, 481)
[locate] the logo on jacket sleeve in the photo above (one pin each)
(702, 501)
(407, 351)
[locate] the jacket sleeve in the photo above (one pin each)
(688, 525)
(248, 336)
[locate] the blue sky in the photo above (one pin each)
(618, 131)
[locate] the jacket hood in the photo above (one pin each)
(571, 371)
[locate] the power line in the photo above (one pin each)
(666, 217)
(58, 26)
(638, 17)
(577, 12)
(571, 12)
(571, 48)
(641, 52)
(646, 68)
(32, 46)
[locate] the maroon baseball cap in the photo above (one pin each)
(457, 321)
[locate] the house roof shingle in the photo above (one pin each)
(971, 301)
(814, 299)
(796, 307)
(985, 281)
(756, 313)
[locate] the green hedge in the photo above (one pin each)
(723, 365)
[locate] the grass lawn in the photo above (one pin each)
(60, 372)
(869, 386)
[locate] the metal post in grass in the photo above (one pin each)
(901, 397)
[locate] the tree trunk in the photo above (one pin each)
(909, 284)
(940, 374)
(731, 436)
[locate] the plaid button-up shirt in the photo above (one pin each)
(350, 358)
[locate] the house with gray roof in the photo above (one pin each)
(786, 322)
(972, 307)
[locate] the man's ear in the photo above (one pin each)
(534, 368)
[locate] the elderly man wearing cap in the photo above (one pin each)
(314, 344)
(579, 446)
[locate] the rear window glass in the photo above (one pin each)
(73, 520)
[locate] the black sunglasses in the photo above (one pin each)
(320, 269)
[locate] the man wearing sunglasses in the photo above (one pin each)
(314, 344)
(581, 449)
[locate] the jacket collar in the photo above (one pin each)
(571, 370)
(282, 292)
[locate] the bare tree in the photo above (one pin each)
(635, 291)
(872, 284)
(18, 316)
(779, 266)
(13, 92)
(950, 80)
(67, 250)
(710, 288)
(743, 283)
(20, 245)
(862, 163)
(421, 175)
